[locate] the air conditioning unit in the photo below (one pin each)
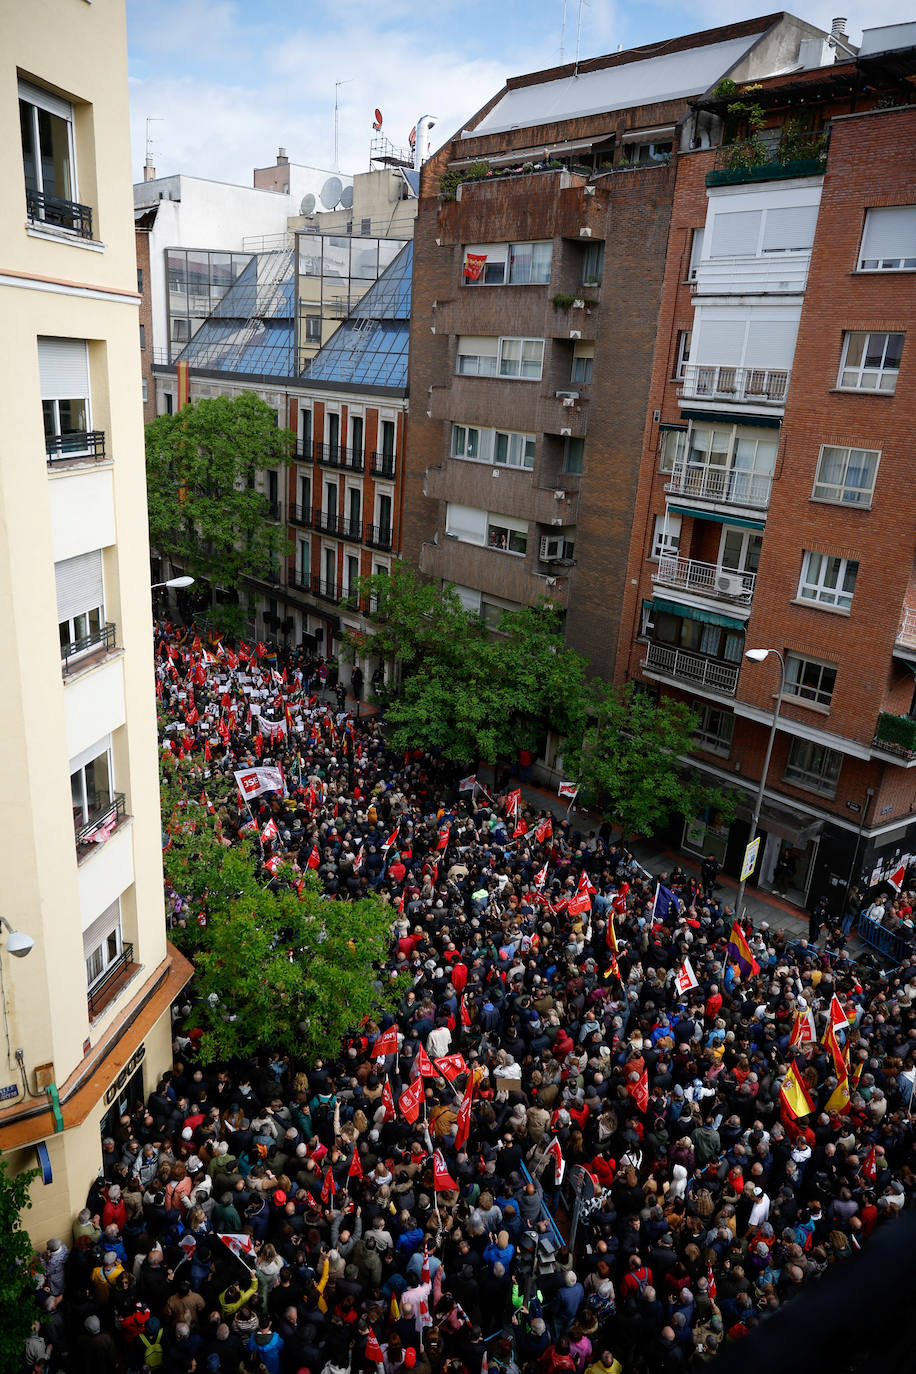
(565, 433)
(567, 395)
(729, 584)
(551, 548)
(585, 233)
(575, 333)
(559, 496)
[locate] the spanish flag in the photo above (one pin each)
(611, 935)
(739, 953)
(839, 1098)
(793, 1094)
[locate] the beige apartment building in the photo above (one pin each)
(85, 1008)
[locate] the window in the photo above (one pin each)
(305, 442)
(477, 357)
(465, 442)
(593, 264)
(750, 233)
(889, 241)
(870, 361)
(140, 281)
(699, 637)
(333, 445)
(91, 787)
(667, 536)
(672, 448)
(513, 450)
(506, 534)
(810, 679)
(828, 579)
(80, 601)
(46, 127)
(169, 402)
(696, 253)
(144, 390)
(573, 456)
(521, 358)
(846, 475)
(63, 366)
(330, 501)
(143, 336)
(313, 329)
(388, 435)
(682, 357)
(715, 729)
(583, 356)
(303, 562)
(466, 523)
(181, 329)
(305, 493)
(519, 264)
(813, 766)
(356, 435)
(102, 943)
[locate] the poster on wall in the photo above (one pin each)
(695, 834)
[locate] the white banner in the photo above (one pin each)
(253, 781)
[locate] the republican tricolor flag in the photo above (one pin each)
(739, 952)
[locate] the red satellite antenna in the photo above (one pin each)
(412, 137)
(378, 121)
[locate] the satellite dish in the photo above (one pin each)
(378, 121)
(307, 205)
(346, 197)
(330, 193)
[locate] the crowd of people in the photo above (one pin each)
(604, 1132)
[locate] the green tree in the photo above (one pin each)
(16, 1284)
(203, 510)
(414, 621)
(630, 764)
(296, 971)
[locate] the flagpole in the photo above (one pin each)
(757, 656)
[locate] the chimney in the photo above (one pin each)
(283, 160)
(838, 30)
(149, 171)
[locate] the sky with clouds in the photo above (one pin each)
(229, 81)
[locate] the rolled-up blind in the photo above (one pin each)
(735, 234)
(890, 234)
(80, 586)
(63, 365)
(466, 522)
(101, 927)
(790, 227)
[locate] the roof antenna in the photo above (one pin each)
(149, 171)
(579, 33)
(563, 34)
(337, 86)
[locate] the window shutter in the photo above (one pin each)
(718, 341)
(64, 368)
(890, 232)
(101, 927)
(478, 346)
(735, 233)
(79, 584)
(469, 598)
(791, 227)
(101, 746)
(45, 100)
(771, 343)
(467, 523)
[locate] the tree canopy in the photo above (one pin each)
(204, 513)
(629, 762)
(471, 691)
(297, 971)
(16, 1283)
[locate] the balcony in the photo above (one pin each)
(692, 669)
(336, 456)
(567, 415)
(80, 446)
(274, 511)
(102, 823)
(117, 975)
(305, 452)
(334, 591)
(382, 465)
(906, 634)
(735, 385)
(90, 649)
(710, 487)
(706, 579)
(743, 275)
(59, 214)
(301, 515)
(298, 581)
(378, 536)
(896, 735)
(770, 155)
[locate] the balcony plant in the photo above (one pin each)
(899, 731)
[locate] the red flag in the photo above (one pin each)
(579, 904)
(554, 1152)
(273, 863)
(520, 829)
(869, 1170)
(896, 878)
(329, 1187)
(424, 1067)
(260, 648)
(686, 978)
(356, 1166)
(838, 1018)
(387, 1043)
(540, 878)
(451, 1066)
(314, 859)
(639, 1091)
(619, 904)
(207, 754)
(711, 1288)
(373, 1350)
(388, 1101)
(257, 745)
(442, 842)
(392, 839)
(232, 659)
(543, 830)
(464, 1013)
(464, 1116)
(410, 1099)
(270, 831)
(441, 1178)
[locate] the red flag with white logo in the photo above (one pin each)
(329, 1187)
(639, 1091)
(388, 1101)
(451, 1066)
(544, 830)
(555, 1153)
(464, 1116)
(356, 1165)
(387, 1043)
(410, 1099)
(423, 1065)
(686, 978)
(441, 1176)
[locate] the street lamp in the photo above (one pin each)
(17, 942)
(176, 582)
(758, 656)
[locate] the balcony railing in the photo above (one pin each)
(77, 446)
(751, 385)
(327, 590)
(709, 579)
(378, 536)
(274, 510)
(381, 464)
(101, 823)
(906, 634)
(61, 214)
(301, 515)
(692, 668)
(747, 275)
(102, 990)
(305, 451)
(298, 581)
(336, 456)
(728, 486)
(895, 735)
(103, 639)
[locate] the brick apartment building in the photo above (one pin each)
(774, 507)
(535, 309)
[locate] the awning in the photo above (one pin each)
(697, 613)
(630, 135)
(741, 521)
(794, 826)
(732, 417)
